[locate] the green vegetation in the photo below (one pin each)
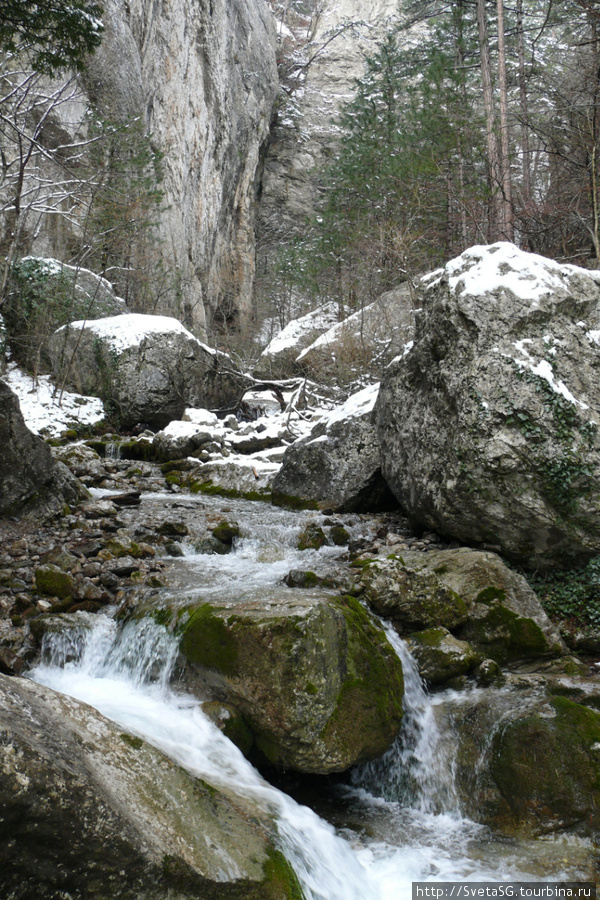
(54, 34)
(571, 597)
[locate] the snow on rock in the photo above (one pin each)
(239, 474)
(130, 330)
(337, 465)
(489, 425)
(48, 411)
(484, 270)
(277, 359)
(149, 368)
(364, 342)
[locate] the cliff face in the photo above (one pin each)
(204, 76)
(330, 47)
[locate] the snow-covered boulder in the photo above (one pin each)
(149, 368)
(278, 357)
(337, 466)
(90, 295)
(489, 424)
(364, 342)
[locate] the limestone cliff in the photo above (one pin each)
(320, 57)
(204, 76)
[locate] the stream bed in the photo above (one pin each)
(367, 836)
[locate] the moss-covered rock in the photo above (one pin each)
(226, 531)
(440, 656)
(316, 680)
(411, 595)
(547, 768)
(471, 593)
(53, 582)
(312, 537)
(339, 535)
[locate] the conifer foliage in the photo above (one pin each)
(56, 34)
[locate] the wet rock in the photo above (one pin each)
(172, 529)
(339, 535)
(301, 578)
(124, 820)
(311, 538)
(440, 656)
(488, 425)
(469, 592)
(316, 680)
(226, 532)
(230, 722)
(10, 662)
(528, 762)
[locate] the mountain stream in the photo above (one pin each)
(394, 821)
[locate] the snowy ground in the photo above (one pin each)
(46, 410)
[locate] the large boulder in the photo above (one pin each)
(471, 593)
(488, 425)
(278, 358)
(364, 342)
(31, 481)
(148, 368)
(315, 679)
(88, 811)
(337, 466)
(527, 761)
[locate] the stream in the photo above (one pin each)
(392, 822)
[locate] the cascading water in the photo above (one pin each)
(418, 771)
(398, 822)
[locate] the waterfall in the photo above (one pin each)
(398, 821)
(418, 770)
(124, 672)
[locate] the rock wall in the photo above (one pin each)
(304, 132)
(203, 76)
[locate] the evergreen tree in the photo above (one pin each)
(55, 34)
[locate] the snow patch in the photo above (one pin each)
(45, 410)
(502, 266)
(129, 330)
(359, 404)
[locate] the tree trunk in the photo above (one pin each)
(496, 217)
(507, 207)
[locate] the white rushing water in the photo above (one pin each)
(400, 817)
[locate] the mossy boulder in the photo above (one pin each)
(226, 532)
(472, 593)
(406, 591)
(316, 680)
(119, 818)
(53, 582)
(312, 537)
(547, 768)
(440, 656)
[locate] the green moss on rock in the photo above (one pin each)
(311, 538)
(207, 640)
(53, 582)
(547, 768)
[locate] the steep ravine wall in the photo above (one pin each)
(204, 76)
(304, 133)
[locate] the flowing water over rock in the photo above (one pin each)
(399, 819)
